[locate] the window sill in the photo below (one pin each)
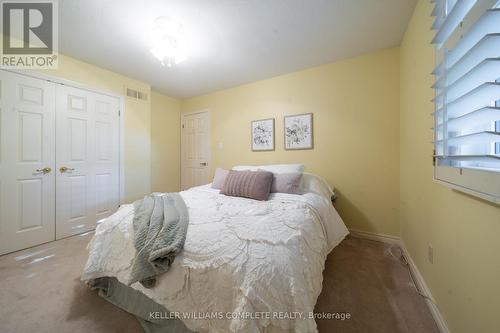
(490, 177)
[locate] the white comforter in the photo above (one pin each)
(259, 259)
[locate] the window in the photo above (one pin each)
(467, 96)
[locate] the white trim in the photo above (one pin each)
(195, 112)
(121, 152)
(422, 286)
(471, 192)
(418, 278)
(384, 238)
(484, 184)
(58, 80)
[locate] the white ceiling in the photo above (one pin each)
(231, 41)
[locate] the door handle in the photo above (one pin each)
(203, 164)
(43, 170)
(64, 169)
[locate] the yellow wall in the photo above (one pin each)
(137, 139)
(356, 119)
(464, 231)
(165, 143)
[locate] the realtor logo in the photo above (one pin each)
(29, 34)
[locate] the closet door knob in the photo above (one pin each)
(44, 170)
(64, 169)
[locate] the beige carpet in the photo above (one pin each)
(41, 291)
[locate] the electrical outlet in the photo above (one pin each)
(430, 254)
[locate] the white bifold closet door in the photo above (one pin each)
(27, 163)
(87, 159)
(59, 160)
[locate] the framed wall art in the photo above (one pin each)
(263, 135)
(298, 131)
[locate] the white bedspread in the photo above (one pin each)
(242, 257)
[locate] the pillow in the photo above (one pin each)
(286, 182)
(219, 178)
(248, 184)
(315, 184)
(274, 168)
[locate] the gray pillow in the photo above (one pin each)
(286, 183)
(248, 184)
(219, 178)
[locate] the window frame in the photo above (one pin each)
(477, 182)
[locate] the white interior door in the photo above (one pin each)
(87, 150)
(195, 149)
(27, 161)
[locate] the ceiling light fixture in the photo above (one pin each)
(169, 41)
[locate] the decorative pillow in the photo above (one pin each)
(315, 184)
(286, 183)
(274, 168)
(219, 178)
(248, 184)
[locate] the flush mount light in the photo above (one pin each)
(169, 41)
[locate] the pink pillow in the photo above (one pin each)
(286, 183)
(219, 178)
(248, 184)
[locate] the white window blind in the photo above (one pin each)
(467, 95)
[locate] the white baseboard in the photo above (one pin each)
(375, 236)
(419, 280)
(422, 286)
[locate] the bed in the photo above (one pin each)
(246, 266)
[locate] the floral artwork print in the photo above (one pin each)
(299, 132)
(263, 134)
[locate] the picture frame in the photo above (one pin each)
(262, 132)
(298, 131)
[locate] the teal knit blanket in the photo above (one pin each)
(160, 226)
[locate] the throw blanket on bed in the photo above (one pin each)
(160, 226)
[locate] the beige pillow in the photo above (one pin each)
(248, 184)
